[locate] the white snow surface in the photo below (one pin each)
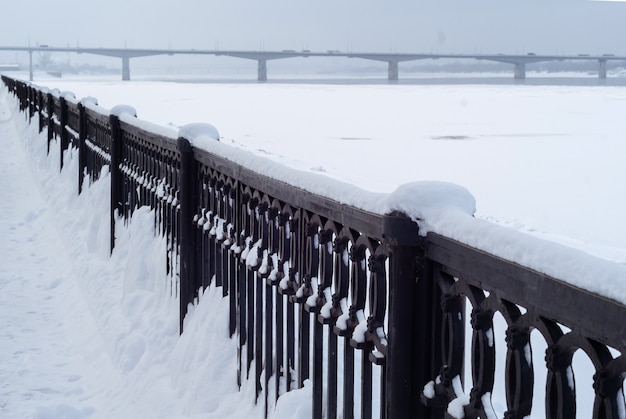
(93, 335)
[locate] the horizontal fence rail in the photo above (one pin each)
(374, 315)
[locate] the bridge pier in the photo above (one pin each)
(392, 71)
(30, 66)
(520, 71)
(125, 68)
(602, 69)
(262, 69)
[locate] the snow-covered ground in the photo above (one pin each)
(89, 336)
(85, 335)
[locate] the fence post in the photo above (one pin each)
(21, 94)
(117, 179)
(116, 175)
(400, 234)
(50, 107)
(411, 321)
(187, 199)
(24, 96)
(40, 107)
(31, 103)
(82, 136)
(64, 134)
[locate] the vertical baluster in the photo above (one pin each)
(285, 290)
(218, 267)
(290, 346)
(358, 295)
(199, 223)
(233, 271)
(205, 230)
(269, 343)
(223, 260)
(340, 278)
(274, 245)
(255, 218)
(324, 291)
(212, 248)
(318, 349)
(242, 292)
(280, 343)
(297, 273)
(258, 334)
(225, 240)
(243, 288)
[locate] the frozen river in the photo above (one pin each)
(544, 157)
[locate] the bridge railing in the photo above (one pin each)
(360, 304)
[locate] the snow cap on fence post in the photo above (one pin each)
(89, 99)
(198, 133)
(67, 95)
(431, 203)
(123, 109)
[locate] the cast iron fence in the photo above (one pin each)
(345, 298)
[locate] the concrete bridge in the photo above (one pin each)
(519, 61)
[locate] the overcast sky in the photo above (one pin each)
(439, 26)
(487, 26)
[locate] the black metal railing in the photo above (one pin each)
(373, 314)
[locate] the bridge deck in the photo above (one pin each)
(518, 60)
